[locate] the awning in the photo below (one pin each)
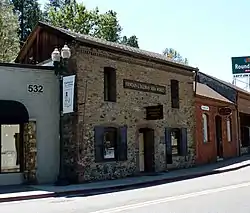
(13, 112)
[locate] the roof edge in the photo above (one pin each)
(169, 63)
(39, 25)
(25, 43)
(29, 66)
(81, 40)
(234, 87)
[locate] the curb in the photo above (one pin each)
(86, 192)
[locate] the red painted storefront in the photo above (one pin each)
(216, 134)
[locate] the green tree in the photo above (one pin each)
(75, 16)
(107, 26)
(175, 56)
(131, 41)
(29, 13)
(9, 41)
(55, 4)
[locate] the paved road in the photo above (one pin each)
(228, 192)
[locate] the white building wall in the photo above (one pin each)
(42, 107)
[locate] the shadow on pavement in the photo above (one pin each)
(15, 189)
(200, 171)
(127, 183)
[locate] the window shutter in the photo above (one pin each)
(106, 89)
(99, 131)
(122, 144)
(113, 85)
(175, 93)
(168, 144)
(183, 142)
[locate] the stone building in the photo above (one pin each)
(134, 109)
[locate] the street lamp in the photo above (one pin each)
(60, 62)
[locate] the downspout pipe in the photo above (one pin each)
(195, 117)
(196, 81)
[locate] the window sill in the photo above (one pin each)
(108, 160)
(176, 155)
(4, 173)
(107, 101)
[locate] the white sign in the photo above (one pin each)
(241, 75)
(205, 108)
(68, 94)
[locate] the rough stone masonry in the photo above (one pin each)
(128, 110)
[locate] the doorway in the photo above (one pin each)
(11, 140)
(218, 129)
(245, 136)
(146, 150)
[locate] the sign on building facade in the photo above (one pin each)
(241, 72)
(241, 65)
(68, 94)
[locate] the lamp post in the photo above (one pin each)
(60, 61)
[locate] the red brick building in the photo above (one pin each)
(216, 126)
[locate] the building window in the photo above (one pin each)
(176, 141)
(110, 143)
(11, 149)
(229, 129)
(109, 84)
(205, 127)
(175, 93)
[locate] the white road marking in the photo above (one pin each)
(169, 199)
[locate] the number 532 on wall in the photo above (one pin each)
(35, 88)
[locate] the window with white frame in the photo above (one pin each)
(205, 128)
(229, 129)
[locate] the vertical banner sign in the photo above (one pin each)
(68, 94)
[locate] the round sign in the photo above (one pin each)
(225, 111)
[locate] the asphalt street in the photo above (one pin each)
(226, 192)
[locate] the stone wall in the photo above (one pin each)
(128, 110)
(30, 153)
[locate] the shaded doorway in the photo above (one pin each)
(12, 150)
(13, 117)
(146, 150)
(245, 130)
(245, 135)
(218, 130)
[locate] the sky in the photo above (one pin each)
(207, 33)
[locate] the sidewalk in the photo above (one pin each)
(17, 193)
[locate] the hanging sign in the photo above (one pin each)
(225, 111)
(68, 94)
